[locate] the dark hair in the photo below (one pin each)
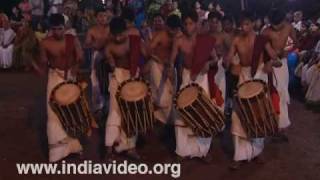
(128, 14)
(117, 25)
(276, 16)
(56, 20)
(173, 21)
(228, 18)
(246, 15)
(100, 10)
(214, 14)
(157, 15)
(193, 15)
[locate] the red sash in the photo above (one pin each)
(135, 53)
(202, 54)
(258, 50)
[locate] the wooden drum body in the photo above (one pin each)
(135, 103)
(68, 101)
(199, 112)
(254, 107)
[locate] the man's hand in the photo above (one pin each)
(267, 68)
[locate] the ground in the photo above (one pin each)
(23, 139)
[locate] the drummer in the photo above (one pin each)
(188, 145)
(278, 34)
(118, 55)
(97, 38)
(161, 82)
(62, 54)
(247, 68)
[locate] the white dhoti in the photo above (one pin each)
(220, 78)
(313, 92)
(162, 91)
(6, 56)
(281, 82)
(114, 132)
(188, 145)
(97, 98)
(60, 144)
(245, 148)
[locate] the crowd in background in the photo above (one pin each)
(27, 24)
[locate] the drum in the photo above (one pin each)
(135, 103)
(199, 112)
(68, 101)
(254, 107)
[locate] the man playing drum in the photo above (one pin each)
(244, 45)
(97, 39)
(187, 144)
(118, 54)
(63, 54)
(278, 35)
(163, 86)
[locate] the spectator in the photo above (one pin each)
(6, 44)
(175, 8)
(201, 13)
(297, 20)
(25, 8)
(36, 12)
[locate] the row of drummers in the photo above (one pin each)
(137, 103)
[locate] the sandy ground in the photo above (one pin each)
(23, 139)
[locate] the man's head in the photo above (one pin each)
(246, 22)
(5, 22)
(128, 15)
(227, 23)
(297, 16)
(158, 22)
(174, 24)
(118, 28)
(101, 16)
(57, 25)
(190, 21)
(214, 19)
(175, 4)
(277, 19)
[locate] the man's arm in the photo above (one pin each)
(175, 51)
(89, 40)
(110, 58)
(79, 52)
(232, 51)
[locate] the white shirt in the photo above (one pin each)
(7, 36)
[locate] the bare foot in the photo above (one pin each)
(109, 154)
(207, 159)
(235, 165)
(133, 154)
(259, 160)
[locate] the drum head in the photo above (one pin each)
(250, 89)
(134, 91)
(67, 94)
(187, 96)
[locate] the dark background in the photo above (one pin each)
(311, 8)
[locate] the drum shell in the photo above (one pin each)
(202, 115)
(137, 116)
(75, 117)
(257, 115)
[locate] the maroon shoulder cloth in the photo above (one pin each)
(70, 51)
(202, 54)
(259, 49)
(135, 53)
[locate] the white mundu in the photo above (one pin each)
(6, 47)
(187, 144)
(281, 83)
(162, 90)
(60, 144)
(114, 132)
(245, 148)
